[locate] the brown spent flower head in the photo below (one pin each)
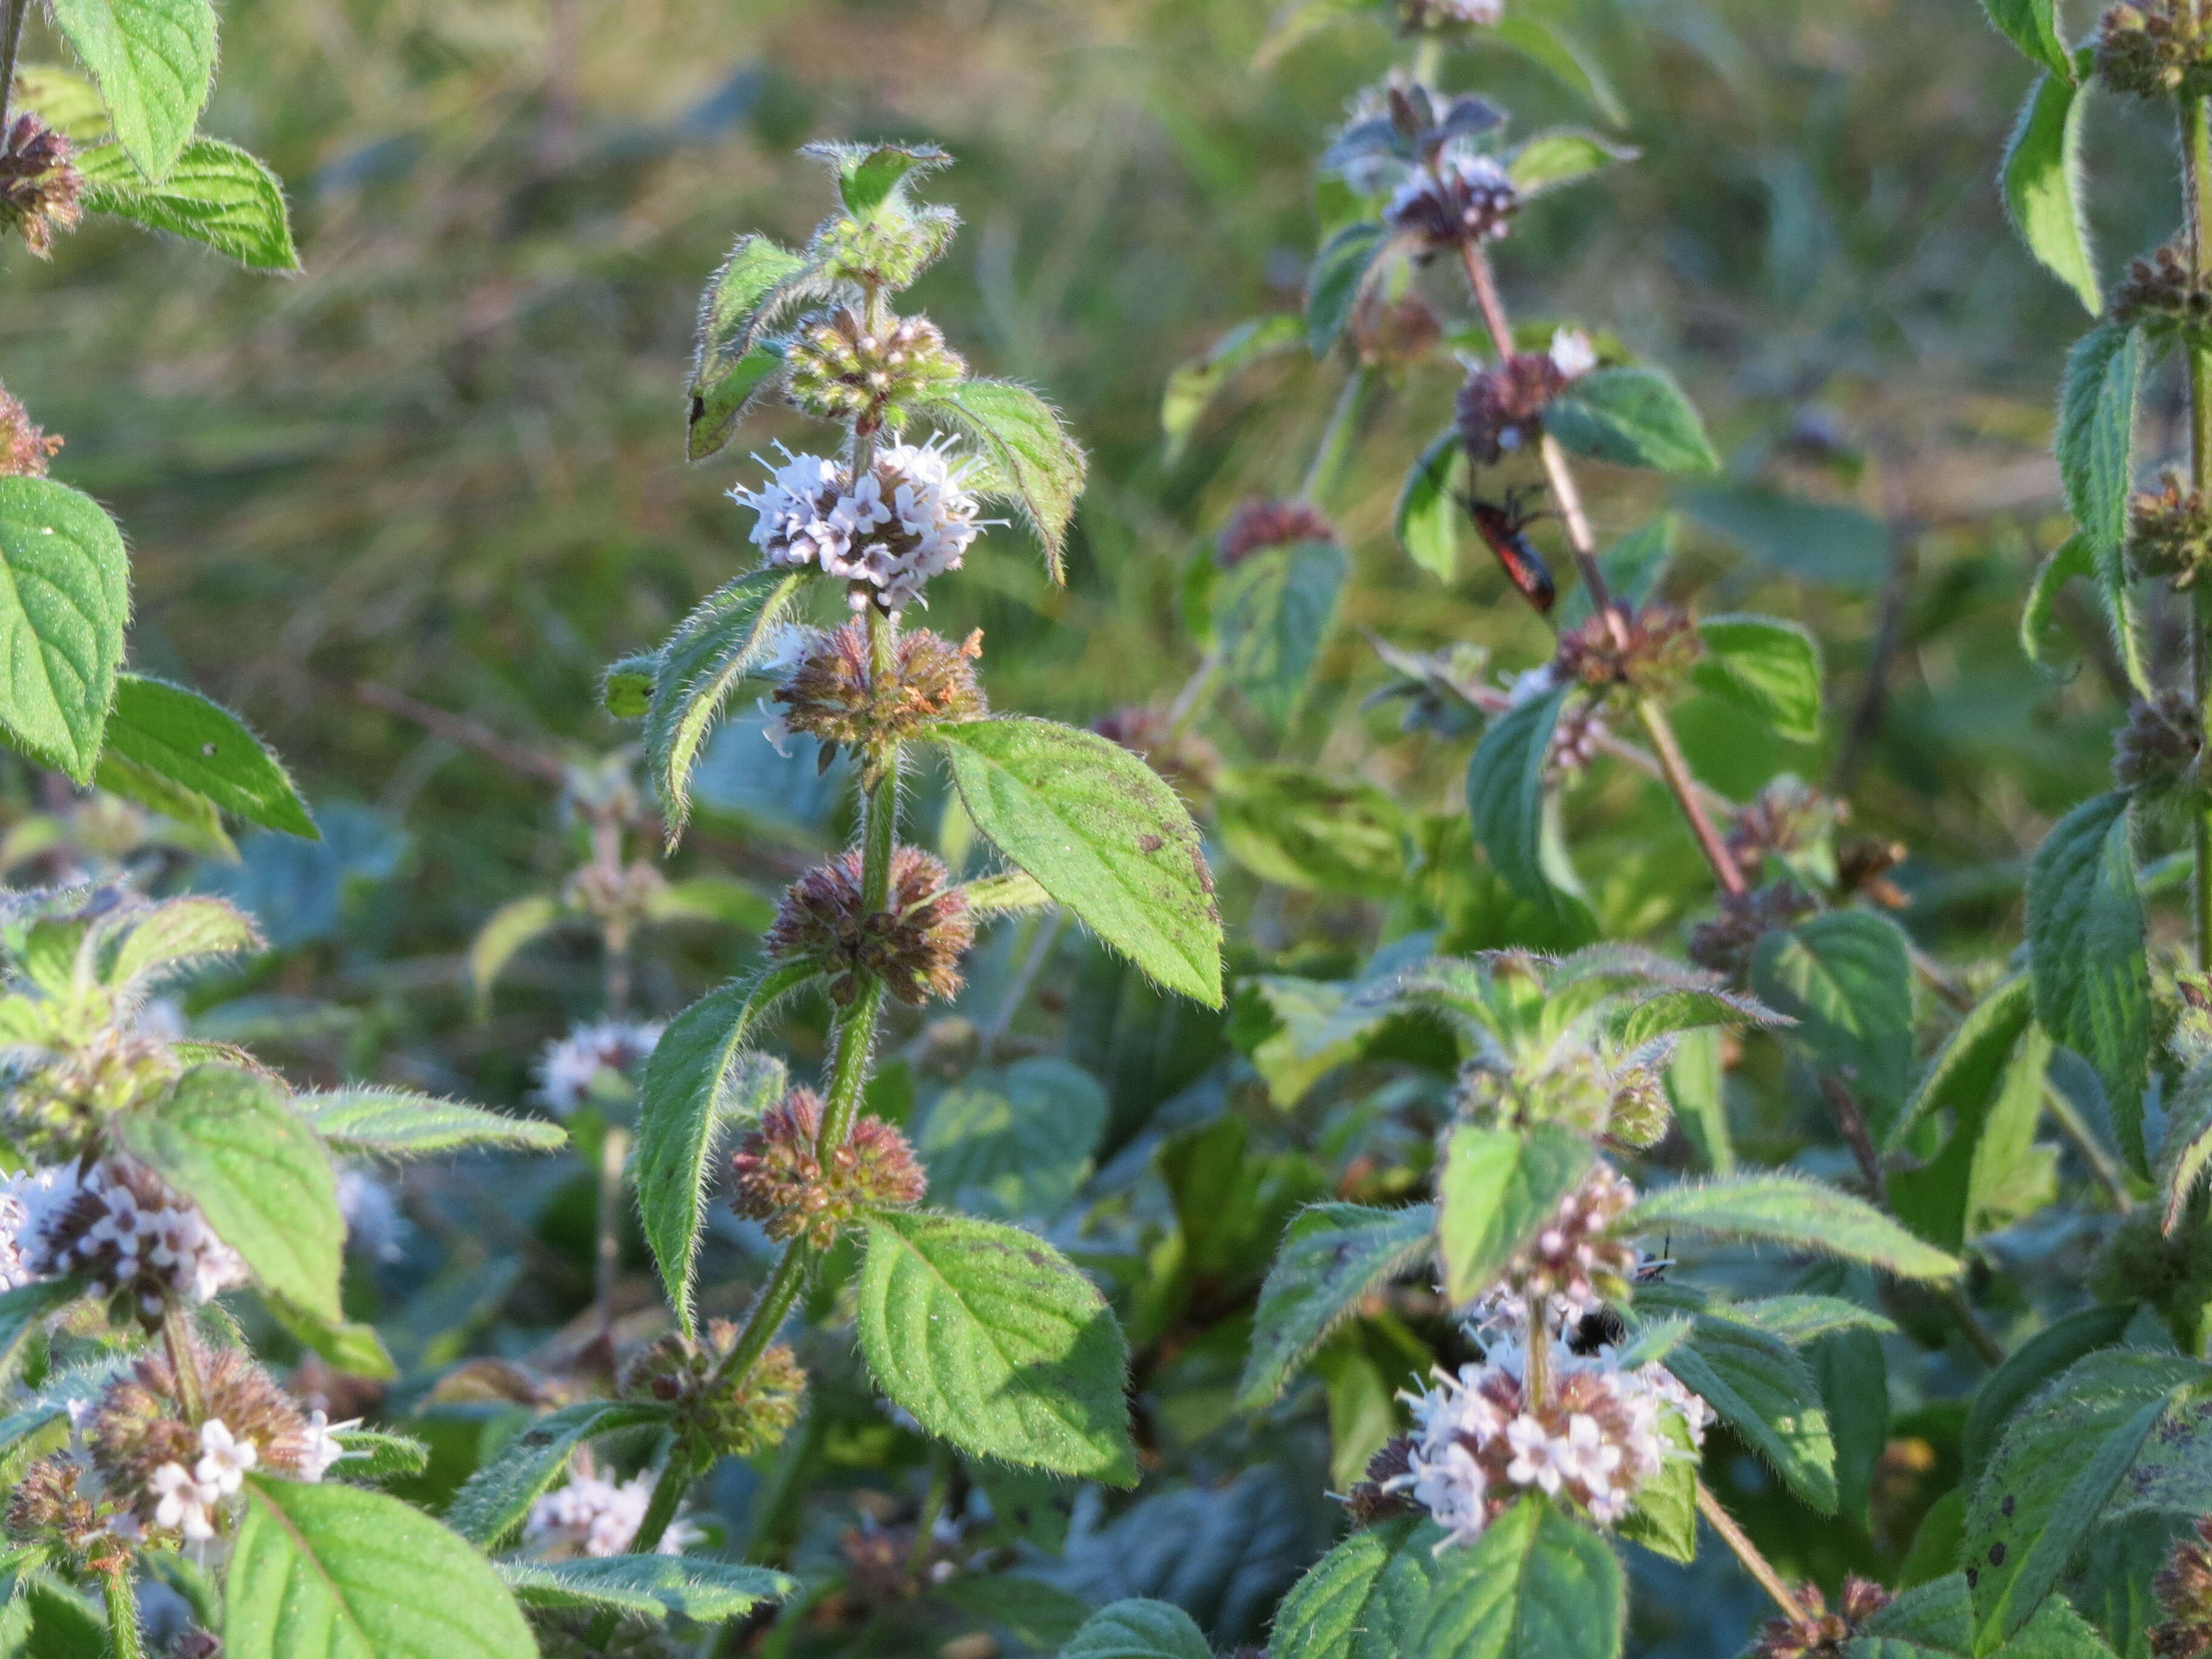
(834, 695)
(25, 449)
(1393, 333)
(1374, 1497)
(47, 1508)
(839, 368)
(40, 183)
(1260, 524)
(779, 1178)
(1467, 200)
(1661, 649)
(1185, 759)
(2155, 50)
(1724, 945)
(1821, 1634)
(2184, 1589)
(2156, 751)
(2163, 295)
(1501, 411)
(2169, 534)
(725, 1419)
(915, 944)
(1863, 866)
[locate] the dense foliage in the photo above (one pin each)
(1589, 1035)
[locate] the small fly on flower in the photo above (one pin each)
(1502, 526)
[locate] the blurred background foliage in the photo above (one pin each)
(402, 509)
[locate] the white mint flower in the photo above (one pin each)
(185, 1502)
(225, 1460)
(118, 1227)
(1572, 353)
(570, 1068)
(594, 1516)
(321, 1447)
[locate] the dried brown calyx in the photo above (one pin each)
(914, 944)
(782, 1179)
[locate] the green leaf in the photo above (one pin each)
(1102, 835)
(1041, 1617)
(1138, 1628)
(1854, 1377)
(2096, 434)
(1334, 1257)
(869, 176)
(2028, 1368)
(348, 1345)
(176, 932)
(1936, 1614)
(1428, 505)
(1289, 825)
(1632, 417)
(1505, 797)
(1790, 1211)
(1363, 1599)
(1026, 456)
(728, 369)
(2073, 557)
(1192, 385)
(1697, 1083)
(497, 1498)
(1973, 1058)
(505, 934)
(1534, 1585)
(155, 60)
(1499, 1186)
(64, 597)
(197, 743)
(693, 1068)
(1798, 1319)
(711, 651)
(217, 193)
(23, 1311)
(626, 688)
(371, 1121)
(2185, 1152)
(1015, 1141)
(2058, 1464)
(1572, 67)
(1846, 978)
(1339, 272)
(1812, 541)
(1632, 567)
(2085, 947)
(372, 1455)
(648, 1586)
(190, 811)
(333, 1571)
(995, 1343)
(1769, 1396)
(1547, 159)
(67, 102)
(722, 394)
(1992, 1078)
(227, 1140)
(2043, 187)
(2033, 25)
(1273, 611)
(1665, 1518)
(1767, 665)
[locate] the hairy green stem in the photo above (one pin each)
(2104, 1168)
(2196, 200)
(1684, 788)
(1747, 1552)
(123, 1633)
(613, 1158)
(177, 1337)
(1336, 445)
(11, 43)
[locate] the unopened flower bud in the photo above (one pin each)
(2169, 534)
(839, 368)
(1501, 409)
(1260, 524)
(2155, 49)
(1569, 1085)
(40, 184)
(886, 251)
(1469, 199)
(2156, 751)
(914, 944)
(835, 695)
(782, 1180)
(24, 448)
(728, 1417)
(2163, 295)
(1571, 1263)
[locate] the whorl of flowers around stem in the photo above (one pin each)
(1393, 333)
(1469, 198)
(2169, 534)
(1821, 1633)
(1445, 16)
(779, 1177)
(909, 518)
(834, 693)
(1500, 411)
(1724, 944)
(117, 1225)
(2155, 50)
(53, 1101)
(51, 1505)
(1188, 760)
(1620, 1098)
(175, 1472)
(593, 1516)
(839, 368)
(617, 898)
(1661, 647)
(25, 449)
(887, 252)
(914, 944)
(2156, 752)
(2165, 294)
(732, 1417)
(602, 1057)
(2183, 1590)
(1600, 1431)
(1259, 523)
(1571, 1263)
(40, 184)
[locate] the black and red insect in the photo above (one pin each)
(1502, 526)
